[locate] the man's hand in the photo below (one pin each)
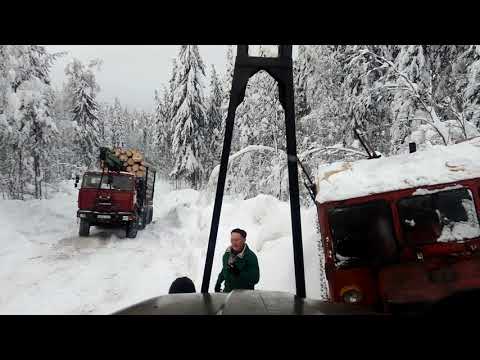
(234, 270)
(217, 288)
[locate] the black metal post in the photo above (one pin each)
(237, 93)
(218, 198)
(286, 93)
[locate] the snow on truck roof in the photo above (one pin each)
(436, 165)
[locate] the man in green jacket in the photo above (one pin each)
(240, 265)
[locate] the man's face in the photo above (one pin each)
(237, 241)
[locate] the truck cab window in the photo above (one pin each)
(118, 182)
(363, 233)
(442, 216)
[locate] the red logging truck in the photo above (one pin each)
(118, 194)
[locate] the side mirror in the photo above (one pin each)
(77, 179)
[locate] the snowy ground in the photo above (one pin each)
(45, 268)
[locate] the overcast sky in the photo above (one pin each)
(132, 72)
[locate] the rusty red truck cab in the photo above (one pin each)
(115, 198)
(107, 203)
(407, 239)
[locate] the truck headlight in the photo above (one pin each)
(351, 295)
(83, 215)
(125, 218)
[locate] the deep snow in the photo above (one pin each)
(45, 268)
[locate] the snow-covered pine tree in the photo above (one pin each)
(148, 138)
(461, 88)
(214, 115)
(134, 124)
(26, 127)
(419, 83)
(471, 90)
(65, 163)
(371, 85)
(83, 89)
(226, 81)
(227, 78)
(85, 115)
(162, 121)
(131, 121)
(302, 70)
(105, 124)
(36, 110)
(189, 117)
(172, 85)
(118, 125)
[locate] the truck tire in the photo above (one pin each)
(84, 229)
(150, 215)
(142, 219)
(132, 229)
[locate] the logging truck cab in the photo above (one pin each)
(118, 198)
(402, 233)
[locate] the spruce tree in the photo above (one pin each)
(214, 115)
(83, 89)
(189, 118)
(26, 126)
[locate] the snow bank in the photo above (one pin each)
(439, 164)
(45, 268)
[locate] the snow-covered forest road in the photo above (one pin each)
(45, 268)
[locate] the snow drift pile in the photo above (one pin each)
(437, 165)
(46, 268)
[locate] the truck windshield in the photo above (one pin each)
(119, 182)
(442, 216)
(363, 233)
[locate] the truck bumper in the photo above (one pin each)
(106, 217)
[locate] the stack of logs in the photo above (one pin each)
(133, 161)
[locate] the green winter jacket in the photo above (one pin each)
(249, 271)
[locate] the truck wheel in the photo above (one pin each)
(84, 228)
(150, 215)
(142, 220)
(132, 230)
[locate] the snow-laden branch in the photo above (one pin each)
(435, 121)
(249, 148)
(304, 154)
(261, 148)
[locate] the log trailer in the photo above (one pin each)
(120, 194)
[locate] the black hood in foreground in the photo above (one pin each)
(241, 302)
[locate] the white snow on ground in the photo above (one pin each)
(437, 165)
(45, 268)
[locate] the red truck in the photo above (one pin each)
(115, 197)
(402, 233)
